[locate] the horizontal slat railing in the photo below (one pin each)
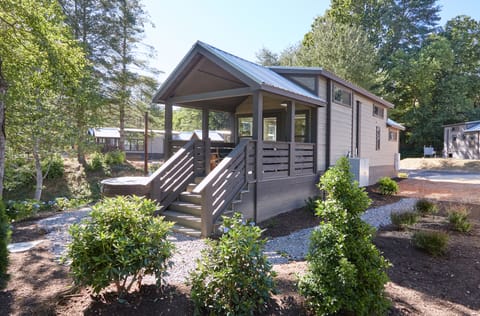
(277, 159)
(222, 185)
(175, 174)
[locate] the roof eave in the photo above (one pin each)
(294, 96)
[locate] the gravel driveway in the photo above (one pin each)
(278, 250)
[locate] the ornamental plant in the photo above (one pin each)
(121, 242)
(387, 186)
(346, 272)
(434, 243)
(233, 277)
(459, 220)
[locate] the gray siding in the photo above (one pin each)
(368, 123)
(341, 136)
(460, 145)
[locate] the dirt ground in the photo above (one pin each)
(420, 284)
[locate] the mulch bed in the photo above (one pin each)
(420, 284)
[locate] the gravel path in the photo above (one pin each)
(279, 250)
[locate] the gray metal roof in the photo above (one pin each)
(394, 124)
(260, 74)
(474, 128)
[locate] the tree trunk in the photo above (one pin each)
(3, 93)
(38, 169)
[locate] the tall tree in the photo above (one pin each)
(340, 48)
(125, 69)
(40, 63)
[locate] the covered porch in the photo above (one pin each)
(269, 166)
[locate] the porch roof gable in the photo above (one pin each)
(256, 76)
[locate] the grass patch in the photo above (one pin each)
(459, 220)
(432, 242)
(425, 207)
(404, 219)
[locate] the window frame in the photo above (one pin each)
(343, 91)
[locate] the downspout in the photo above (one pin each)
(357, 141)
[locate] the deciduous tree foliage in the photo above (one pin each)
(41, 62)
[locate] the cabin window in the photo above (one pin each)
(392, 135)
(377, 138)
(134, 145)
(300, 128)
(378, 111)
(471, 141)
(454, 138)
(342, 95)
(245, 126)
(270, 128)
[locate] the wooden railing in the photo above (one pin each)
(223, 184)
(177, 172)
(283, 159)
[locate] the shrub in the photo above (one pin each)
(122, 239)
(404, 219)
(53, 168)
(311, 203)
(387, 186)
(346, 272)
(459, 220)
(115, 157)
(233, 277)
(4, 240)
(96, 162)
(19, 210)
(432, 242)
(425, 206)
(19, 172)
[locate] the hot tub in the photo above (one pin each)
(125, 186)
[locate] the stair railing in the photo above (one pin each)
(222, 185)
(175, 174)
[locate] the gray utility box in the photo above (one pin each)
(360, 170)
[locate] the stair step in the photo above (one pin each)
(191, 187)
(191, 198)
(186, 207)
(182, 219)
(198, 179)
(187, 231)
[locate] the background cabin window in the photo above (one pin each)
(342, 96)
(378, 111)
(134, 145)
(471, 141)
(377, 138)
(454, 138)
(392, 135)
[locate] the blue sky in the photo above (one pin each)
(244, 27)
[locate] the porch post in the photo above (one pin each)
(291, 137)
(257, 135)
(206, 139)
(168, 130)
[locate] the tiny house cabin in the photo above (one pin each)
(288, 125)
(462, 140)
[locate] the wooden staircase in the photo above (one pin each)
(186, 212)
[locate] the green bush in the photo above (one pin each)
(346, 272)
(121, 239)
(459, 220)
(19, 210)
(401, 220)
(115, 157)
(387, 186)
(4, 240)
(311, 203)
(432, 242)
(19, 172)
(233, 277)
(53, 167)
(425, 207)
(96, 161)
